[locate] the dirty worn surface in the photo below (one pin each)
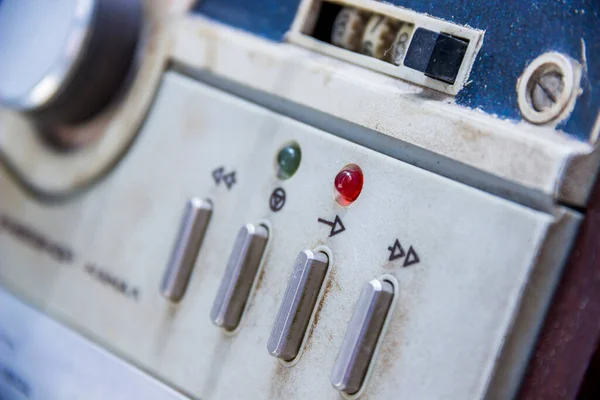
(524, 163)
(432, 132)
(516, 33)
(572, 328)
(476, 252)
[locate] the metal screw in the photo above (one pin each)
(546, 90)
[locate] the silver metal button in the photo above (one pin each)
(298, 305)
(362, 336)
(239, 277)
(191, 234)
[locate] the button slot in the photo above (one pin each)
(298, 305)
(192, 229)
(240, 276)
(363, 337)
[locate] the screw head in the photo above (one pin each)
(546, 90)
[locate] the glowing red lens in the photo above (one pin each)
(349, 183)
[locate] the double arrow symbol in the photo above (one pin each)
(397, 252)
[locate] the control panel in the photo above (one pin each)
(314, 260)
(308, 199)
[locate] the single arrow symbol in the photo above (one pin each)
(336, 226)
(396, 251)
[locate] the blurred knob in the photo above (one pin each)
(63, 61)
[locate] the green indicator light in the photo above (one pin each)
(288, 161)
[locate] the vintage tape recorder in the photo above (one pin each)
(298, 199)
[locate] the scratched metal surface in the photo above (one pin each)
(516, 32)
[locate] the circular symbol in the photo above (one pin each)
(277, 200)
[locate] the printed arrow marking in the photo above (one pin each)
(219, 176)
(229, 180)
(336, 226)
(396, 251)
(411, 258)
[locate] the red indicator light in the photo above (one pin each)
(349, 183)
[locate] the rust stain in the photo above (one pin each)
(280, 378)
(390, 349)
(390, 352)
(319, 243)
(470, 133)
(389, 266)
(331, 286)
(308, 344)
(389, 361)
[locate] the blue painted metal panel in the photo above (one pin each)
(517, 31)
(267, 18)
